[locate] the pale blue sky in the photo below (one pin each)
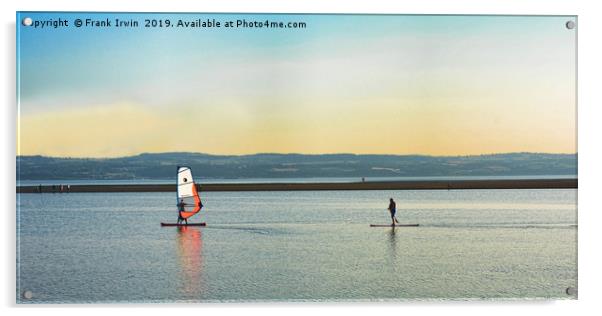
(492, 77)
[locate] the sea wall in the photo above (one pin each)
(383, 185)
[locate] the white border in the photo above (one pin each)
(589, 27)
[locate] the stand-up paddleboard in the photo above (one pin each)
(396, 225)
(189, 224)
(188, 201)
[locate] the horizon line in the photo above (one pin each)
(300, 154)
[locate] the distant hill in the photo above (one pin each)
(163, 165)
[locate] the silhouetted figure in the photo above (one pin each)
(53, 188)
(181, 209)
(40, 188)
(392, 209)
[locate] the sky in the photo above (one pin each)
(364, 84)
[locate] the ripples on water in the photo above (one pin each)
(101, 247)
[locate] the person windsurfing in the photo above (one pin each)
(392, 209)
(181, 209)
(188, 201)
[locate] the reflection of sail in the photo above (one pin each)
(190, 253)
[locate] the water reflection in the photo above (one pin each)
(392, 235)
(393, 243)
(190, 253)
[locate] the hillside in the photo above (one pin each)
(162, 166)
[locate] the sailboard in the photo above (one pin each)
(183, 225)
(396, 225)
(188, 201)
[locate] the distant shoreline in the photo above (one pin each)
(281, 166)
(381, 185)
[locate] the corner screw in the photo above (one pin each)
(27, 295)
(570, 25)
(571, 291)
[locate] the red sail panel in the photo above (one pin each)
(196, 202)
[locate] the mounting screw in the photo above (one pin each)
(27, 295)
(570, 25)
(27, 21)
(571, 290)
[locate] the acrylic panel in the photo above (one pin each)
(205, 157)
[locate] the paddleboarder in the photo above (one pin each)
(392, 209)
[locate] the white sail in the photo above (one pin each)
(189, 202)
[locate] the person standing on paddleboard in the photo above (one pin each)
(181, 209)
(392, 209)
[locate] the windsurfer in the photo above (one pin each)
(181, 209)
(392, 209)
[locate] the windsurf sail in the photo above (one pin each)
(189, 202)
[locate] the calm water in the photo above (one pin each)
(101, 247)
